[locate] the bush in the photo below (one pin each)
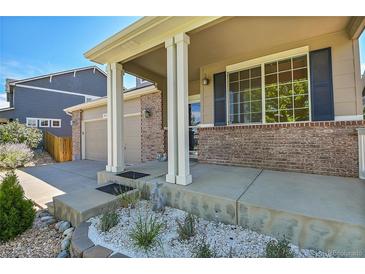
(187, 228)
(16, 212)
(204, 250)
(279, 249)
(16, 133)
(108, 220)
(14, 155)
(145, 233)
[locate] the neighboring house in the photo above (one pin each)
(281, 93)
(39, 101)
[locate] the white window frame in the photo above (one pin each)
(28, 119)
(261, 61)
(42, 120)
(56, 120)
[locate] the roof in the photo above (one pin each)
(56, 73)
(128, 95)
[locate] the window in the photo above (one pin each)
(270, 91)
(32, 122)
(194, 121)
(56, 123)
(43, 123)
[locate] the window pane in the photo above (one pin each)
(285, 64)
(233, 77)
(300, 62)
(301, 101)
(256, 94)
(271, 79)
(234, 97)
(256, 106)
(245, 118)
(271, 91)
(286, 102)
(256, 117)
(234, 119)
(300, 74)
(233, 87)
(255, 72)
(301, 114)
(244, 85)
(271, 117)
(301, 87)
(245, 96)
(244, 74)
(271, 104)
(256, 83)
(270, 68)
(286, 116)
(285, 77)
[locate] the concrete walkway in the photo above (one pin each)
(42, 183)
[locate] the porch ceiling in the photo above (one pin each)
(236, 36)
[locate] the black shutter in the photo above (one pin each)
(321, 85)
(220, 99)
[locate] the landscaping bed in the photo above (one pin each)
(211, 239)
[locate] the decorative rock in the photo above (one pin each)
(68, 232)
(46, 218)
(44, 214)
(65, 244)
(63, 254)
(65, 225)
(57, 225)
(50, 221)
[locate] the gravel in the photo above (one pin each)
(225, 240)
(40, 241)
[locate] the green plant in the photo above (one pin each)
(16, 212)
(17, 133)
(204, 250)
(146, 231)
(14, 155)
(108, 220)
(129, 200)
(187, 228)
(279, 249)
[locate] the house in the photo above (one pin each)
(39, 101)
(282, 93)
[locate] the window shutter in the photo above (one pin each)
(220, 99)
(321, 85)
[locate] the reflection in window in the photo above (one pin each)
(194, 121)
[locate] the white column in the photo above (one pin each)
(109, 118)
(361, 148)
(115, 104)
(182, 41)
(171, 111)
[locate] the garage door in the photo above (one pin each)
(96, 139)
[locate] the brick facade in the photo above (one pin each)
(76, 135)
(328, 148)
(152, 132)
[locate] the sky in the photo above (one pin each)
(33, 46)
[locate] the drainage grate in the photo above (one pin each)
(132, 174)
(115, 189)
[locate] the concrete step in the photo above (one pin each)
(50, 207)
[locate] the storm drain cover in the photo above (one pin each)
(115, 189)
(132, 174)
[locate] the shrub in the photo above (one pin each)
(16, 212)
(204, 250)
(16, 132)
(145, 232)
(108, 220)
(279, 249)
(14, 155)
(187, 228)
(129, 200)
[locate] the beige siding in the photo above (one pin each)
(347, 98)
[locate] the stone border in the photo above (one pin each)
(83, 247)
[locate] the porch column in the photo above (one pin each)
(115, 118)
(182, 41)
(171, 111)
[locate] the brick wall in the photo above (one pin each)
(76, 135)
(329, 148)
(152, 132)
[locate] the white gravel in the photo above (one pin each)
(226, 240)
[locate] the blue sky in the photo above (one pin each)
(32, 46)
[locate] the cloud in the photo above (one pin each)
(3, 102)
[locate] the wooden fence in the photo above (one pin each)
(60, 148)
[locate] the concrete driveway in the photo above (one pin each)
(42, 183)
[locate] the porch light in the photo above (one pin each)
(205, 81)
(146, 113)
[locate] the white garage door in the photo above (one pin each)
(96, 139)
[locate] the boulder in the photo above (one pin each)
(63, 254)
(65, 225)
(65, 244)
(68, 232)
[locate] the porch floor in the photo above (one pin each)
(313, 211)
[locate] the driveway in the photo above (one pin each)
(42, 183)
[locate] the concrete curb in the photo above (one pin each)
(83, 247)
